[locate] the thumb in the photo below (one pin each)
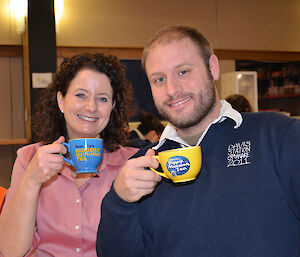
(154, 162)
(60, 140)
(150, 152)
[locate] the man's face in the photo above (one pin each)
(182, 88)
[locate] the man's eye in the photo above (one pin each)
(161, 79)
(182, 72)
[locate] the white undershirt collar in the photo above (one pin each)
(226, 111)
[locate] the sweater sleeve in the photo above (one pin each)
(119, 232)
(288, 161)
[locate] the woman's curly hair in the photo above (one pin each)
(48, 121)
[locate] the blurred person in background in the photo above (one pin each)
(239, 103)
(148, 131)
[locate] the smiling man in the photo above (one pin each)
(246, 199)
(184, 90)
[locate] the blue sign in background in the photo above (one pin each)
(141, 87)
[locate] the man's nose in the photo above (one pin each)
(173, 86)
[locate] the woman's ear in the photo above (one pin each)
(60, 101)
(214, 66)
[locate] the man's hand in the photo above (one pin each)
(133, 181)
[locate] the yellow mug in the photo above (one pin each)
(181, 164)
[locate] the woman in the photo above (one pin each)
(49, 209)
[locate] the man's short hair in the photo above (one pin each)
(177, 32)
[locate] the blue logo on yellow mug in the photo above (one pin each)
(178, 165)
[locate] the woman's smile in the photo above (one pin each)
(86, 118)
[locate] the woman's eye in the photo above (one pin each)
(102, 99)
(80, 95)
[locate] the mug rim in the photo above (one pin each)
(83, 138)
(180, 149)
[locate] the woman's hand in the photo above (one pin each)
(46, 163)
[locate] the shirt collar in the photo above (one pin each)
(226, 111)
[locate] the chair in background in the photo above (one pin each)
(2, 196)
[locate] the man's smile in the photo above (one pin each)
(180, 102)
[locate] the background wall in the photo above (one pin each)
(267, 25)
(229, 24)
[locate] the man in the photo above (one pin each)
(246, 200)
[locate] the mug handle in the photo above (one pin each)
(66, 159)
(157, 172)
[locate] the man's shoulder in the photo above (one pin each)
(269, 124)
(273, 118)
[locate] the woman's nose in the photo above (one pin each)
(91, 105)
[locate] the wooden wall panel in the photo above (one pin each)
(17, 90)
(5, 99)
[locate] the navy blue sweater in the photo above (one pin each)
(244, 203)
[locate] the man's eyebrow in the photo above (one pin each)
(157, 73)
(184, 64)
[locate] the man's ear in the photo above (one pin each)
(214, 66)
(60, 101)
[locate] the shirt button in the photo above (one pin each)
(78, 201)
(77, 227)
(77, 250)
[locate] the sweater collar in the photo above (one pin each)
(226, 112)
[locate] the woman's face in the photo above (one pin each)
(87, 104)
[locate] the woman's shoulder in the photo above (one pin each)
(121, 155)
(27, 152)
(126, 151)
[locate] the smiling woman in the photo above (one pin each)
(91, 81)
(88, 97)
(87, 105)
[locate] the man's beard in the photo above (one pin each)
(206, 102)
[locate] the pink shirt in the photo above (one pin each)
(68, 217)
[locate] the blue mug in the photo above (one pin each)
(85, 154)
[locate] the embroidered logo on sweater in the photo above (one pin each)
(239, 154)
